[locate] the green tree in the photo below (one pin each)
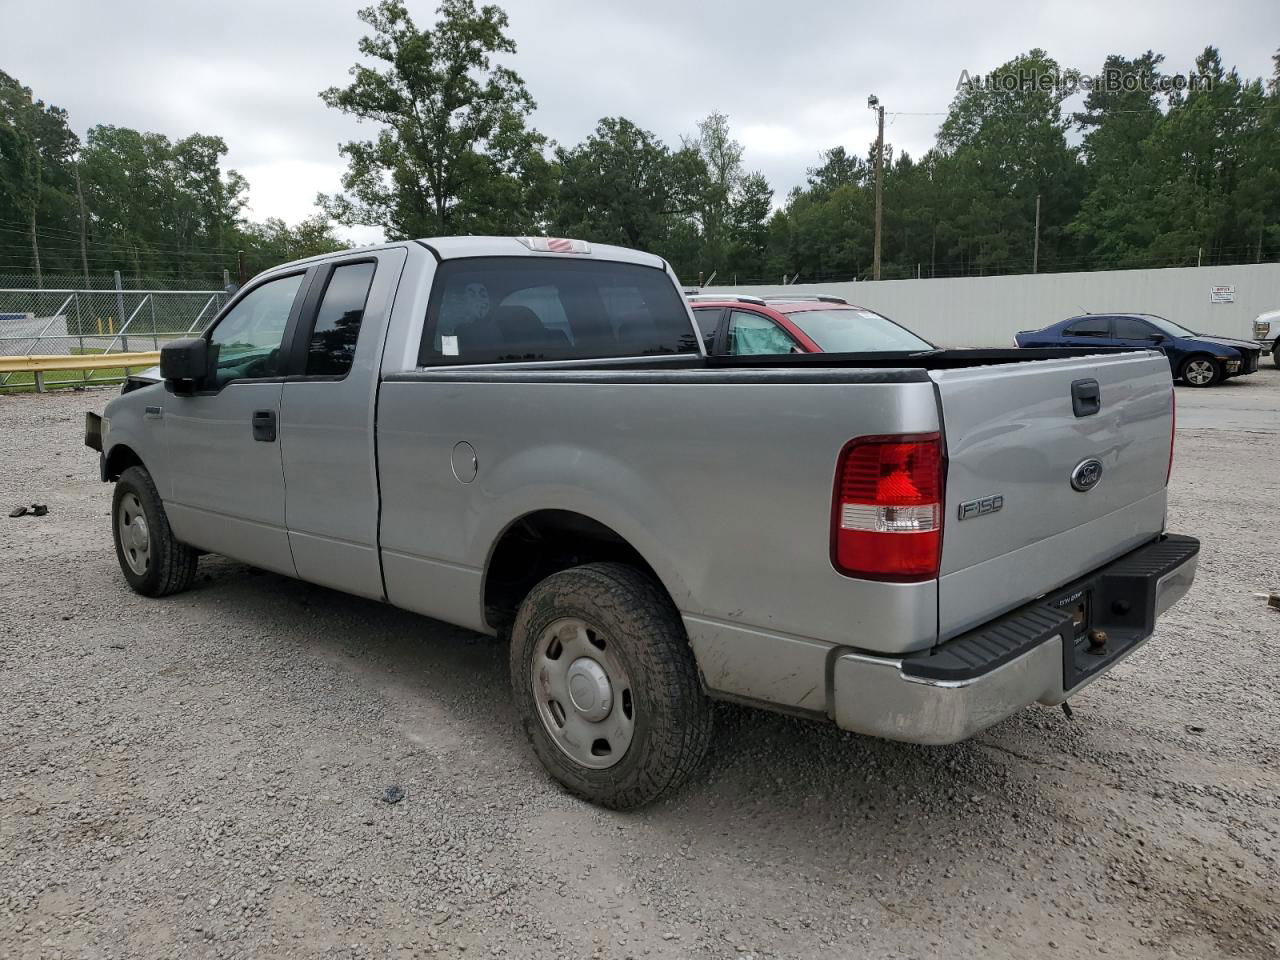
(621, 185)
(157, 206)
(721, 158)
(36, 147)
(273, 241)
(1007, 144)
(454, 154)
(749, 227)
(838, 168)
(1116, 124)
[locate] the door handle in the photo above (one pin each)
(264, 425)
(1086, 398)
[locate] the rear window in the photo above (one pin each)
(855, 331)
(511, 309)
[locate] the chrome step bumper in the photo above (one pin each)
(1038, 653)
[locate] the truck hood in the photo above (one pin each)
(150, 375)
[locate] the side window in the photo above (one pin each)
(248, 338)
(1130, 328)
(333, 341)
(751, 334)
(1089, 327)
(708, 322)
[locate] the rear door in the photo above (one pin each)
(1023, 442)
(326, 422)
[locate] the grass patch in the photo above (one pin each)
(24, 382)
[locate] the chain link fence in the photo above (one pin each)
(74, 321)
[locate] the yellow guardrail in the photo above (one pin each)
(40, 365)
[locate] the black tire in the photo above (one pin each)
(170, 565)
(672, 716)
(1275, 353)
(1194, 366)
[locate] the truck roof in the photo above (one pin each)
(450, 248)
(454, 248)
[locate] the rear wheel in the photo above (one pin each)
(1201, 371)
(152, 560)
(606, 685)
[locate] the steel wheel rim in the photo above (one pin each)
(133, 535)
(1199, 372)
(583, 693)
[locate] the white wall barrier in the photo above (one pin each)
(988, 311)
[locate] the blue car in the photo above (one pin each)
(1197, 360)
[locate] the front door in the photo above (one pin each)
(226, 478)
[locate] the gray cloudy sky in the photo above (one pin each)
(793, 77)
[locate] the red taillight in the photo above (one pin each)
(886, 517)
(1173, 432)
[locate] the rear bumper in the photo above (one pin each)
(1034, 654)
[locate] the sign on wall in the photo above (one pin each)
(1222, 293)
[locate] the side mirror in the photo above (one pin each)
(186, 365)
(1157, 338)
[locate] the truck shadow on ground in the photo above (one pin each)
(791, 782)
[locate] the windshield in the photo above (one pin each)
(1169, 327)
(855, 331)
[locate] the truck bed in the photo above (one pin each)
(719, 472)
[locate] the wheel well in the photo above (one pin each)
(1198, 355)
(120, 459)
(540, 544)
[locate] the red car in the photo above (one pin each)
(745, 326)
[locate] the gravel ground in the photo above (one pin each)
(203, 775)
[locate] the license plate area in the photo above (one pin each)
(1109, 615)
(1078, 605)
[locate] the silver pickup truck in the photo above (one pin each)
(523, 436)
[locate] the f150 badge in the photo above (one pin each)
(1086, 475)
(981, 507)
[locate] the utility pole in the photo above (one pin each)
(1035, 251)
(84, 257)
(241, 272)
(874, 103)
(35, 251)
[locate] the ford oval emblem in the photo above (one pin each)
(1086, 475)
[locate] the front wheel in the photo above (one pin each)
(606, 686)
(153, 561)
(1201, 371)
(1275, 353)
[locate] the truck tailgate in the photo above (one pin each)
(1016, 526)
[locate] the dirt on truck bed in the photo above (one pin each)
(260, 767)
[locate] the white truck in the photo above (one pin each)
(524, 436)
(1266, 331)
